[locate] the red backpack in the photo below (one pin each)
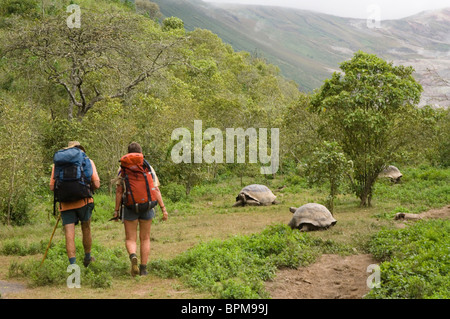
(141, 193)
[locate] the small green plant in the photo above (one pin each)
(173, 191)
(416, 261)
(109, 264)
(19, 248)
(328, 163)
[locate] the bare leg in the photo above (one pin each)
(69, 231)
(87, 238)
(131, 235)
(144, 237)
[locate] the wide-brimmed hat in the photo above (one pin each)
(75, 144)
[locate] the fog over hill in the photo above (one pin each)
(308, 46)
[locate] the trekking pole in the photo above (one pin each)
(50, 242)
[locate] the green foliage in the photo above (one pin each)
(328, 163)
(172, 23)
(416, 261)
(19, 248)
(365, 109)
(174, 192)
(420, 189)
(19, 155)
(109, 264)
(18, 7)
(237, 267)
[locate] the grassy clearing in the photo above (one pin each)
(241, 246)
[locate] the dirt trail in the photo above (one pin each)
(330, 277)
(10, 287)
(334, 276)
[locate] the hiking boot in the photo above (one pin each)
(134, 266)
(143, 270)
(86, 261)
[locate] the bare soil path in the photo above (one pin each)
(330, 277)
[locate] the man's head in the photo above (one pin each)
(134, 148)
(76, 144)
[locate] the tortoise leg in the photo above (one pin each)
(238, 203)
(305, 228)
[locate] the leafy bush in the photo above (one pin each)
(18, 248)
(109, 264)
(238, 267)
(416, 261)
(173, 191)
(19, 7)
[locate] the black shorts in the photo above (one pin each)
(73, 216)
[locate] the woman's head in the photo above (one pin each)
(134, 148)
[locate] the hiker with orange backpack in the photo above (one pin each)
(73, 180)
(137, 194)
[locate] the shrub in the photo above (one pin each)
(416, 261)
(109, 263)
(174, 192)
(18, 248)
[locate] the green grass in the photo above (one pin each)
(109, 264)
(417, 261)
(419, 190)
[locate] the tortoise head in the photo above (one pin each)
(293, 209)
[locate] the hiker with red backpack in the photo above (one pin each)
(137, 194)
(73, 181)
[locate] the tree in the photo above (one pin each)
(149, 8)
(20, 160)
(102, 59)
(364, 110)
(328, 163)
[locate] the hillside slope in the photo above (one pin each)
(308, 46)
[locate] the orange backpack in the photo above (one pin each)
(141, 194)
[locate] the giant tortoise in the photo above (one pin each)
(255, 195)
(392, 172)
(311, 216)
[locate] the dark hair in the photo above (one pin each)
(134, 148)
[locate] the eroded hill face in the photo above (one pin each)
(308, 46)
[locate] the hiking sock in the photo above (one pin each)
(72, 260)
(143, 270)
(87, 256)
(132, 255)
(134, 265)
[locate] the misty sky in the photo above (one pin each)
(389, 9)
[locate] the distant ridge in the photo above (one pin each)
(308, 46)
